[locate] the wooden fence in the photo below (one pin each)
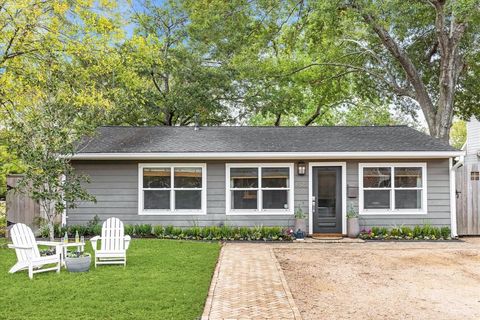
(20, 208)
(468, 200)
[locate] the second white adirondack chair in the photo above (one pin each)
(28, 255)
(114, 243)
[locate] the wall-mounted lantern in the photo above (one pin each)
(301, 168)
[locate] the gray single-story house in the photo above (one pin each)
(248, 176)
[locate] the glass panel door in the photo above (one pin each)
(327, 215)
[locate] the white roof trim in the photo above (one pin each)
(269, 155)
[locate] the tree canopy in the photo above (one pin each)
(258, 62)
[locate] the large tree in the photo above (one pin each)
(418, 51)
(53, 89)
(160, 78)
(408, 55)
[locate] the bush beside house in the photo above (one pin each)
(425, 232)
(259, 233)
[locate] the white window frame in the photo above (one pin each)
(393, 211)
(172, 210)
(259, 210)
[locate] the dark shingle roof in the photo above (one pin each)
(259, 139)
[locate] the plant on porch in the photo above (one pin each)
(353, 223)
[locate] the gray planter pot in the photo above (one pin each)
(81, 264)
(300, 224)
(353, 227)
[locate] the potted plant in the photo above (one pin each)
(300, 223)
(353, 224)
(77, 261)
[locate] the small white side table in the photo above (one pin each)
(64, 246)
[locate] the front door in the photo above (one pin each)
(327, 199)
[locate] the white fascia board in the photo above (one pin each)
(268, 155)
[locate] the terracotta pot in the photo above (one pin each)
(353, 227)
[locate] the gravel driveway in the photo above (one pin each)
(384, 280)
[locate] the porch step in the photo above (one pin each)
(327, 236)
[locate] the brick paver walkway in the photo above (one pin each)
(249, 284)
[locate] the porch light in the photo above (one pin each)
(301, 168)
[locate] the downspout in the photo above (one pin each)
(453, 194)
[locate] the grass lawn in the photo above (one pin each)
(163, 280)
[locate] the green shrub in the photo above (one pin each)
(143, 230)
(445, 232)
(129, 229)
(170, 232)
(395, 232)
(425, 232)
(406, 231)
(82, 230)
(159, 231)
(221, 233)
(244, 233)
(95, 230)
(417, 231)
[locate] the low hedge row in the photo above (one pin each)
(192, 233)
(425, 232)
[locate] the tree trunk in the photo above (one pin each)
(51, 231)
(278, 120)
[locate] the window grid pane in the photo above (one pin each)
(377, 199)
(156, 199)
(405, 188)
(187, 178)
(275, 177)
(159, 192)
(259, 188)
(377, 177)
(408, 177)
(156, 178)
(408, 199)
(188, 199)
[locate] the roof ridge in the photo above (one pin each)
(250, 126)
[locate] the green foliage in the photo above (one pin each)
(458, 133)
(3, 219)
(300, 214)
(352, 212)
(92, 228)
(143, 230)
(214, 233)
(129, 230)
(423, 232)
(445, 232)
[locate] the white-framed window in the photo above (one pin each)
(166, 188)
(259, 188)
(393, 188)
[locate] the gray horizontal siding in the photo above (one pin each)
(115, 183)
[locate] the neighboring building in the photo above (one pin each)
(468, 183)
(472, 144)
(247, 176)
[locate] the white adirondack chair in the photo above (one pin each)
(28, 255)
(114, 243)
